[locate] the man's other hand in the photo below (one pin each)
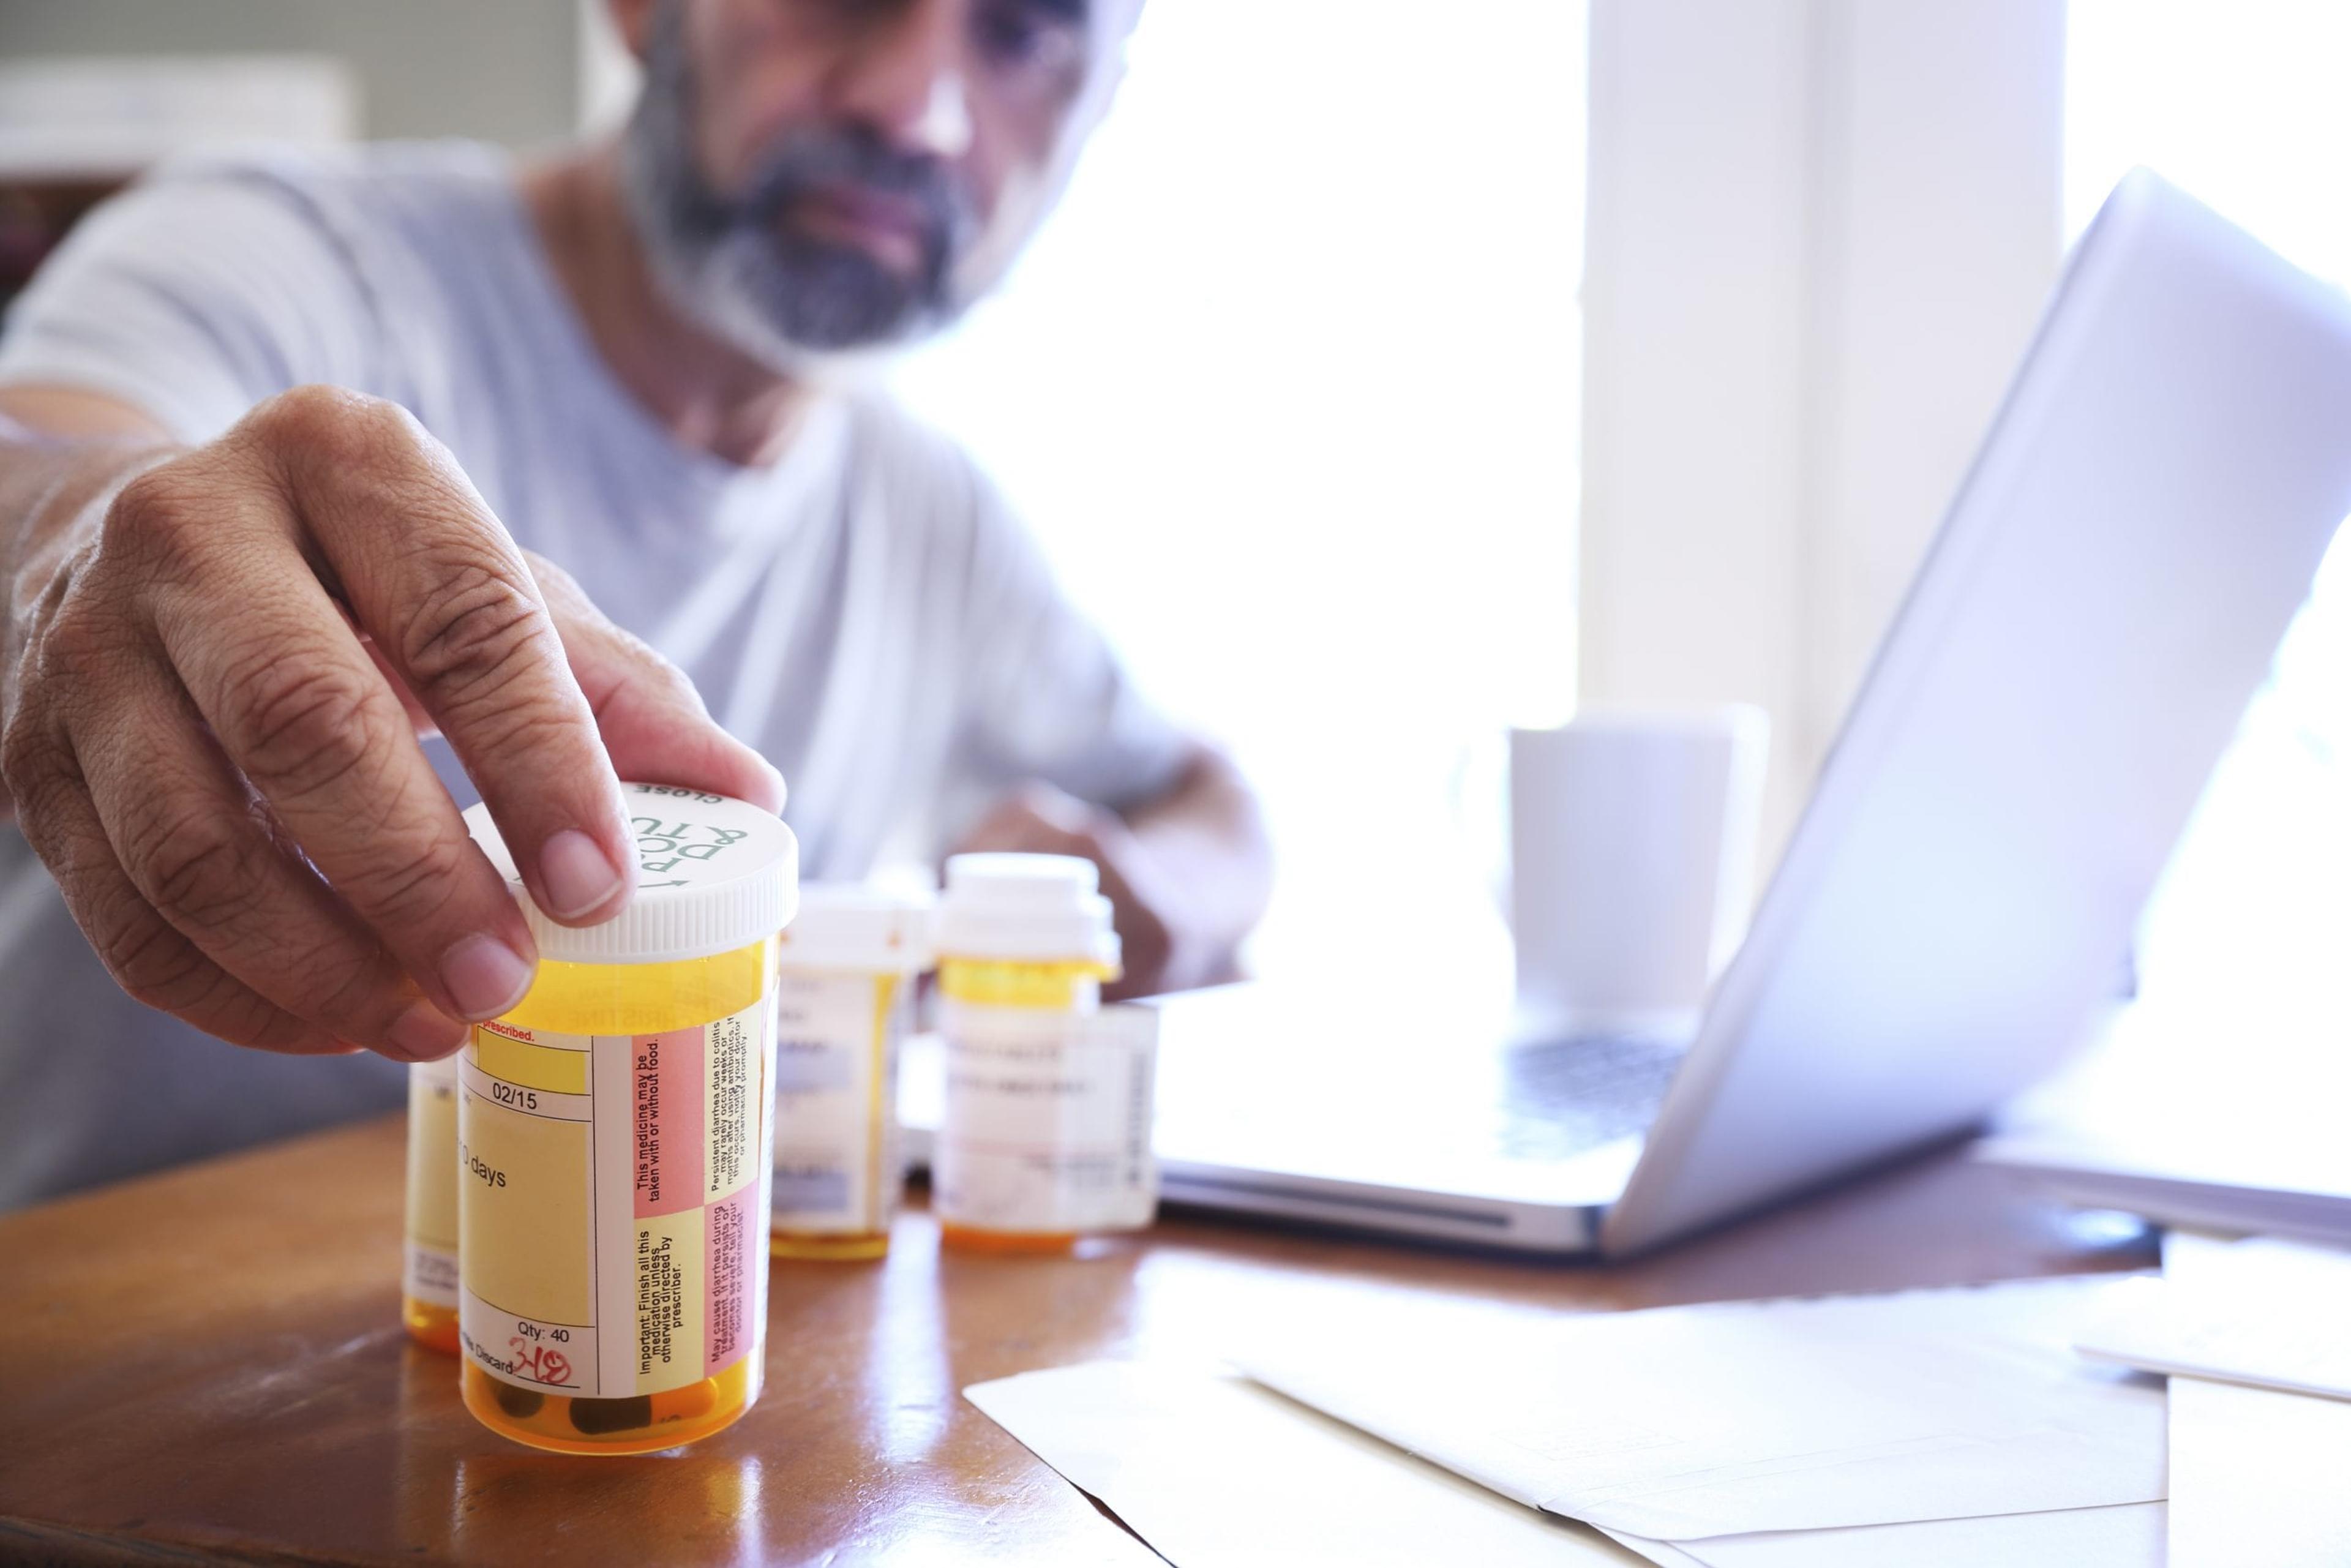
(217, 662)
(1187, 875)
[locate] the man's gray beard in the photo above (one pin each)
(797, 307)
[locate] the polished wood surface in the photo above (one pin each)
(209, 1364)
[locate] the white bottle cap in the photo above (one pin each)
(713, 874)
(1038, 908)
(857, 926)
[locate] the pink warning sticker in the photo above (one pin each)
(736, 1236)
(666, 1077)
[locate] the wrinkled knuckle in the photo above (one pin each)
(154, 964)
(82, 639)
(474, 638)
(411, 888)
(303, 728)
(36, 769)
(342, 988)
(313, 415)
(189, 862)
(216, 1002)
(334, 427)
(150, 516)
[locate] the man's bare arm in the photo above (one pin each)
(1189, 873)
(214, 662)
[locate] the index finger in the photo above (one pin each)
(435, 580)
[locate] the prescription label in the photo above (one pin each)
(1048, 1120)
(613, 1187)
(837, 1038)
(429, 1269)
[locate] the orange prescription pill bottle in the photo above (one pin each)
(1045, 1136)
(613, 1146)
(844, 984)
(428, 1275)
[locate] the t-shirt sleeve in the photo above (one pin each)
(192, 296)
(1044, 696)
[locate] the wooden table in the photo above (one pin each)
(207, 1365)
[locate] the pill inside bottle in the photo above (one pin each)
(614, 1150)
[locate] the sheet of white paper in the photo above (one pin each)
(2263, 1312)
(1216, 1472)
(2258, 1476)
(1687, 1422)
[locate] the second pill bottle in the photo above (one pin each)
(1046, 1134)
(614, 1146)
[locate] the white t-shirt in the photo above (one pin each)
(865, 612)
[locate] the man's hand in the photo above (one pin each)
(216, 668)
(1187, 875)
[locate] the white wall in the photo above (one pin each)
(503, 70)
(1818, 233)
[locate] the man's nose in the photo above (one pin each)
(904, 80)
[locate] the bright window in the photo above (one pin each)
(1288, 390)
(2244, 105)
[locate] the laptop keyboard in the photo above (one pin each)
(1562, 1097)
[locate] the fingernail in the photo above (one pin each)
(576, 874)
(423, 1033)
(484, 976)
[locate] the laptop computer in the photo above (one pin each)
(2104, 596)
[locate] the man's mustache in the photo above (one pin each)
(816, 161)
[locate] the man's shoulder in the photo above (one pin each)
(356, 196)
(374, 181)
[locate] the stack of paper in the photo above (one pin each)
(2255, 1335)
(1929, 1428)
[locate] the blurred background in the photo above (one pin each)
(1393, 374)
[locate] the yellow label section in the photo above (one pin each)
(1008, 983)
(672, 1300)
(531, 1066)
(526, 1247)
(432, 1162)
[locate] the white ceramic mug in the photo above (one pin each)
(1633, 848)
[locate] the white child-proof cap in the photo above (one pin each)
(1038, 908)
(713, 874)
(858, 926)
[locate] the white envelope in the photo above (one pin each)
(2130, 1535)
(1683, 1423)
(1216, 1472)
(2261, 1312)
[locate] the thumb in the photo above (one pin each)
(654, 728)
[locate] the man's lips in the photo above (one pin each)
(893, 229)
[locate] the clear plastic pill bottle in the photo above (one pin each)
(844, 988)
(1045, 1136)
(614, 1146)
(428, 1274)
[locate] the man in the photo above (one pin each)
(305, 457)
